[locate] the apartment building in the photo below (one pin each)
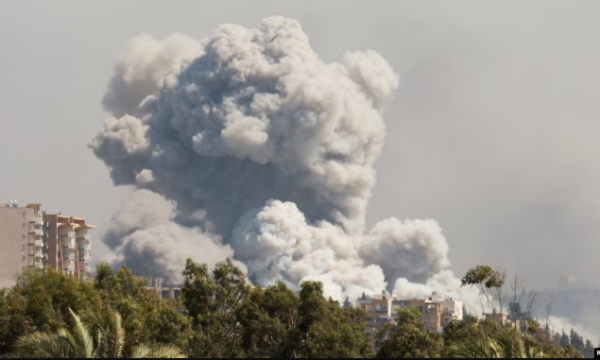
(452, 309)
(503, 319)
(378, 306)
(169, 292)
(68, 245)
(436, 310)
(379, 313)
(21, 240)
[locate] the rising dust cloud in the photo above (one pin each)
(247, 145)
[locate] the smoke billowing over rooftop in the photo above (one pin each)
(247, 144)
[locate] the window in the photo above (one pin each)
(381, 309)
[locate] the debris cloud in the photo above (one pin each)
(247, 144)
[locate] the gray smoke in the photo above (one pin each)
(264, 151)
(145, 237)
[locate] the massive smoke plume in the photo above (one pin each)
(247, 144)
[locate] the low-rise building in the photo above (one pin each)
(504, 319)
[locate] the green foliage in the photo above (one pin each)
(232, 320)
(325, 329)
(212, 302)
(146, 317)
(220, 315)
(81, 343)
(266, 316)
(485, 275)
(40, 302)
(409, 339)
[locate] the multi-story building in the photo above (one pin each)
(436, 310)
(503, 319)
(20, 240)
(379, 313)
(452, 309)
(68, 245)
(377, 306)
(431, 313)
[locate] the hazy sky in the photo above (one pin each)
(492, 132)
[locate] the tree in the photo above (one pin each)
(519, 292)
(490, 283)
(211, 301)
(564, 340)
(461, 332)
(588, 352)
(40, 302)
(409, 338)
(325, 329)
(480, 348)
(108, 342)
(266, 317)
(146, 317)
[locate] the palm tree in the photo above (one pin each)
(511, 344)
(506, 345)
(110, 341)
(477, 349)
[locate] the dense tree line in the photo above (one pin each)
(219, 314)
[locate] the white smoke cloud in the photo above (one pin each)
(276, 243)
(144, 177)
(143, 233)
(560, 324)
(253, 138)
(414, 249)
(142, 69)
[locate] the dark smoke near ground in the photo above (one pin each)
(247, 144)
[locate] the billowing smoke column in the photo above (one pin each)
(246, 144)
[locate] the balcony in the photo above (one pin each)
(67, 240)
(85, 257)
(36, 264)
(69, 234)
(36, 221)
(36, 243)
(84, 240)
(70, 246)
(69, 256)
(38, 254)
(34, 231)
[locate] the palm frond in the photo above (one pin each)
(481, 348)
(511, 345)
(83, 341)
(157, 352)
(140, 352)
(40, 345)
(118, 340)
